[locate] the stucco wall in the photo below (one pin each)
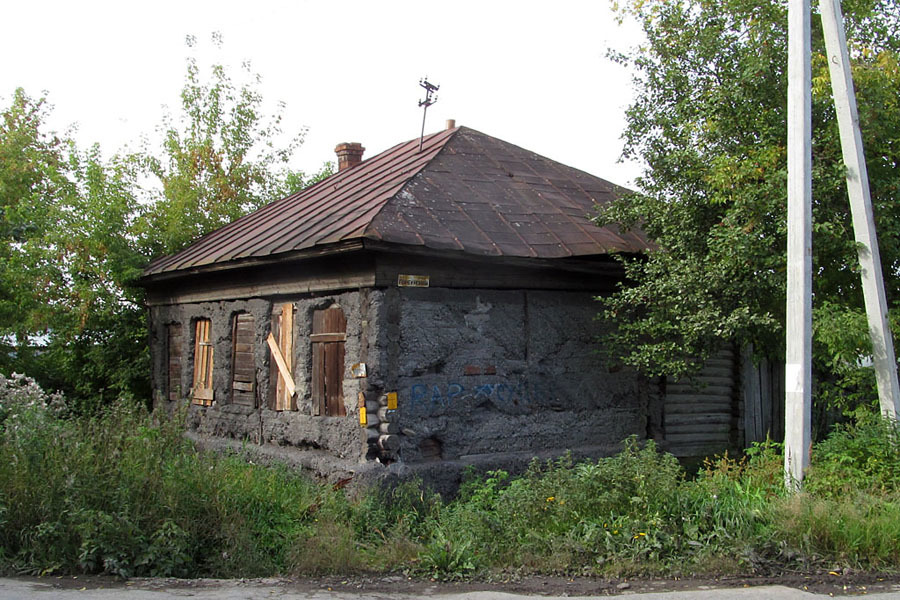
(482, 372)
(482, 376)
(340, 436)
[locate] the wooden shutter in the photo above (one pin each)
(281, 348)
(328, 336)
(203, 363)
(243, 363)
(174, 338)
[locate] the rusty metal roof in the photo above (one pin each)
(465, 191)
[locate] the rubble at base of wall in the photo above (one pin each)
(443, 477)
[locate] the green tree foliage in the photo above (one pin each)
(76, 229)
(709, 120)
(33, 181)
(67, 313)
(220, 158)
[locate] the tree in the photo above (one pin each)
(33, 181)
(218, 160)
(76, 229)
(709, 121)
(66, 260)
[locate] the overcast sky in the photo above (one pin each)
(533, 73)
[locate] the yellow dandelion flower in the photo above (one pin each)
(551, 498)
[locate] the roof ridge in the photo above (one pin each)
(406, 182)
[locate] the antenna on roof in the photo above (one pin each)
(430, 89)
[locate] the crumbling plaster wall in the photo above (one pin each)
(492, 372)
(490, 377)
(339, 436)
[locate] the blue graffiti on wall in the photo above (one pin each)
(519, 393)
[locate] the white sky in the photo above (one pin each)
(533, 73)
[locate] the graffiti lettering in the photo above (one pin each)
(519, 393)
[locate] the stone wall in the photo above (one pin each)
(340, 436)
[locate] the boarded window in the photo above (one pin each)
(243, 363)
(328, 336)
(174, 338)
(281, 347)
(203, 363)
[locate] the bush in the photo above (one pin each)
(863, 455)
(123, 494)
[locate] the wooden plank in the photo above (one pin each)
(198, 355)
(203, 363)
(244, 398)
(243, 360)
(203, 394)
(703, 408)
(209, 365)
(698, 428)
(286, 344)
(274, 377)
(246, 359)
(685, 419)
(709, 390)
(279, 360)
(318, 378)
(231, 292)
(328, 337)
(335, 322)
(243, 373)
(334, 377)
(719, 363)
(720, 439)
(319, 322)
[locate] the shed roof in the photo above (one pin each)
(464, 191)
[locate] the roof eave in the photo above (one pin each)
(343, 247)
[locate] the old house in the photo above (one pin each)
(424, 309)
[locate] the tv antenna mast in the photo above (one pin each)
(430, 99)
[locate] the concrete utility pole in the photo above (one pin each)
(798, 365)
(861, 207)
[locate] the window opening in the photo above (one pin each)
(203, 363)
(243, 363)
(174, 338)
(281, 347)
(328, 337)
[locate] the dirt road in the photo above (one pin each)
(401, 588)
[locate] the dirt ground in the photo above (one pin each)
(829, 583)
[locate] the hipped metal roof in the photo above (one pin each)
(464, 191)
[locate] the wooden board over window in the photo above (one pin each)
(174, 339)
(243, 363)
(203, 363)
(281, 349)
(328, 337)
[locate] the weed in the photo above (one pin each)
(124, 493)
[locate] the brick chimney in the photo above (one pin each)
(349, 155)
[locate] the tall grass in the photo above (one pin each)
(124, 493)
